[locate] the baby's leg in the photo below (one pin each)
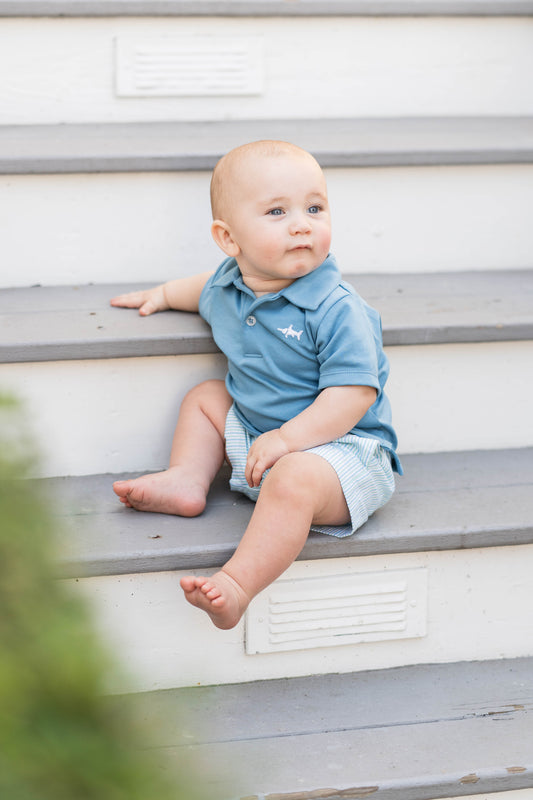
(300, 489)
(196, 456)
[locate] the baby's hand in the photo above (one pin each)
(263, 454)
(147, 301)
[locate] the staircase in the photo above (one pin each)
(397, 663)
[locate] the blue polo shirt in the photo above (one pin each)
(284, 348)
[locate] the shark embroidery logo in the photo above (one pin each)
(291, 332)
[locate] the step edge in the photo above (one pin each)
(496, 774)
(274, 8)
(150, 544)
(99, 147)
(204, 345)
(139, 343)
(140, 164)
(204, 558)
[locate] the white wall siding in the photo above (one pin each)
(119, 414)
(478, 608)
(62, 70)
(63, 229)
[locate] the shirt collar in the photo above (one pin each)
(307, 292)
(311, 290)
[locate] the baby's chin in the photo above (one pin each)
(303, 266)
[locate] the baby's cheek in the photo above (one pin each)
(324, 239)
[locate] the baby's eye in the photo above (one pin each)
(314, 209)
(276, 212)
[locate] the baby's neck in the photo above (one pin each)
(260, 286)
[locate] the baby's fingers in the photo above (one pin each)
(254, 472)
(147, 308)
(254, 469)
(129, 300)
(148, 301)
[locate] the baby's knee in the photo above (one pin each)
(291, 477)
(307, 483)
(209, 391)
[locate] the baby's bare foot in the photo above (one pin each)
(169, 492)
(220, 596)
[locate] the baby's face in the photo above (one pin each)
(280, 219)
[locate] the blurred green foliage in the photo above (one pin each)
(59, 740)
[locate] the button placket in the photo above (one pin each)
(251, 336)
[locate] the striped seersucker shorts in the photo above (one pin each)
(362, 465)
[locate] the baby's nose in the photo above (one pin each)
(300, 223)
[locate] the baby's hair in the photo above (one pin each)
(236, 159)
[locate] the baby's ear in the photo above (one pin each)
(221, 233)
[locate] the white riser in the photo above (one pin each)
(118, 227)
(104, 416)
(61, 70)
(119, 415)
(479, 605)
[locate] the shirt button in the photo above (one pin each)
(251, 321)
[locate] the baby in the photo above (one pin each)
(302, 417)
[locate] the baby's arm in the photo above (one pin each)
(334, 412)
(182, 294)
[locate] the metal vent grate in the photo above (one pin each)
(188, 66)
(337, 609)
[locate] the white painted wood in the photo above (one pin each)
(303, 613)
(188, 66)
(142, 227)
(419, 219)
(461, 397)
(119, 415)
(61, 70)
(97, 228)
(104, 416)
(479, 605)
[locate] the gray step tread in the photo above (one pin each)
(445, 501)
(410, 733)
(257, 8)
(76, 322)
(163, 146)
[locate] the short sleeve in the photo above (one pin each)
(347, 344)
(206, 300)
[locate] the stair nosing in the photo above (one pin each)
(378, 720)
(455, 511)
(197, 146)
(416, 309)
(258, 8)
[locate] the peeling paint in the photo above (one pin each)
(353, 793)
(516, 770)
(472, 778)
(507, 709)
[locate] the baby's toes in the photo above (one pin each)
(188, 583)
(136, 494)
(211, 590)
(121, 488)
